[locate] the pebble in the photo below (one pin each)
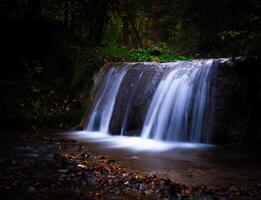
(85, 155)
(127, 183)
(102, 157)
(31, 189)
(91, 173)
(81, 166)
(63, 171)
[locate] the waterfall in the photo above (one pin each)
(162, 101)
(102, 108)
(178, 111)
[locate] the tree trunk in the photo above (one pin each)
(33, 10)
(154, 32)
(66, 12)
(125, 33)
(99, 21)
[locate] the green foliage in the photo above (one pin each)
(229, 34)
(86, 62)
(156, 53)
(54, 59)
(114, 52)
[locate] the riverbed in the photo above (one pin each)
(186, 163)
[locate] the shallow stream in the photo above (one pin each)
(188, 163)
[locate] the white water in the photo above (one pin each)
(102, 108)
(135, 144)
(178, 112)
(178, 109)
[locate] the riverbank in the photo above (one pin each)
(50, 166)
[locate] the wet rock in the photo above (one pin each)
(237, 94)
(101, 157)
(139, 84)
(148, 192)
(81, 166)
(85, 155)
(78, 128)
(45, 160)
(63, 171)
(101, 178)
(110, 161)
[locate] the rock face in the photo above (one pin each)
(134, 98)
(238, 102)
(235, 87)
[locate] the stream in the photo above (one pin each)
(186, 163)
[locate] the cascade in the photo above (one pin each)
(105, 98)
(160, 101)
(179, 108)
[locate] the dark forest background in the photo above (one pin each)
(50, 50)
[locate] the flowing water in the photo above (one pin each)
(158, 118)
(179, 109)
(183, 162)
(104, 101)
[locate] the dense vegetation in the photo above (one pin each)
(52, 49)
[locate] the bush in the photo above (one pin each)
(113, 52)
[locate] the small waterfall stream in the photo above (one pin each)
(160, 101)
(104, 101)
(178, 108)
